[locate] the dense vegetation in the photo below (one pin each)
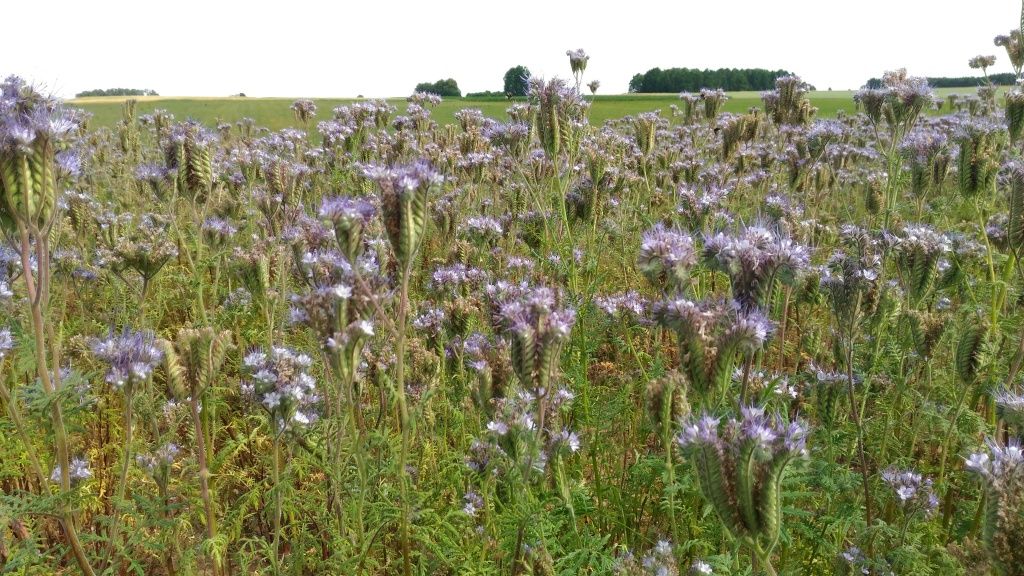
(686, 342)
(692, 79)
(1003, 79)
(444, 88)
(117, 92)
(517, 81)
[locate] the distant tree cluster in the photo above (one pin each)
(486, 94)
(1005, 79)
(445, 88)
(117, 92)
(693, 79)
(517, 81)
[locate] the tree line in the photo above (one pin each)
(1002, 79)
(117, 92)
(693, 79)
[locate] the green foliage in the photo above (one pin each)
(446, 88)
(517, 81)
(116, 92)
(692, 79)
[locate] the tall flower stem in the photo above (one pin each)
(276, 471)
(35, 293)
(857, 413)
(122, 478)
(403, 414)
(204, 477)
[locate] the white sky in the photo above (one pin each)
(385, 47)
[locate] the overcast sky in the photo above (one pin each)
(385, 47)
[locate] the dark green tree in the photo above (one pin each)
(447, 88)
(517, 81)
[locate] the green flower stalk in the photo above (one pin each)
(981, 142)
(560, 114)
(190, 153)
(34, 159)
(713, 100)
(788, 104)
(1015, 114)
(403, 204)
(645, 129)
(128, 131)
(404, 192)
(740, 468)
(193, 363)
(714, 336)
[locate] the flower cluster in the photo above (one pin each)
(78, 469)
(131, 356)
(913, 491)
(1001, 469)
(304, 110)
(754, 260)
(740, 467)
(537, 325)
(713, 336)
(34, 154)
(403, 203)
(666, 257)
(281, 383)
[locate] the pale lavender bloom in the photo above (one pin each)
(152, 173)
(346, 210)
(6, 342)
(403, 180)
(472, 503)
(430, 322)
(629, 303)
(754, 425)
(701, 431)
(700, 568)
(484, 227)
(533, 315)
(666, 255)
(660, 561)
(281, 383)
(131, 356)
(77, 470)
(569, 439)
(218, 228)
(456, 276)
(753, 259)
(913, 490)
(750, 330)
(163, 457)
(498, 427)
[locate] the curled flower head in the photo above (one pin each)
(131, 356)
(666, 256)
(403, 202)
(577, 60)
(537, 324)
(754, 259)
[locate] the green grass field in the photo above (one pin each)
(274, 113)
